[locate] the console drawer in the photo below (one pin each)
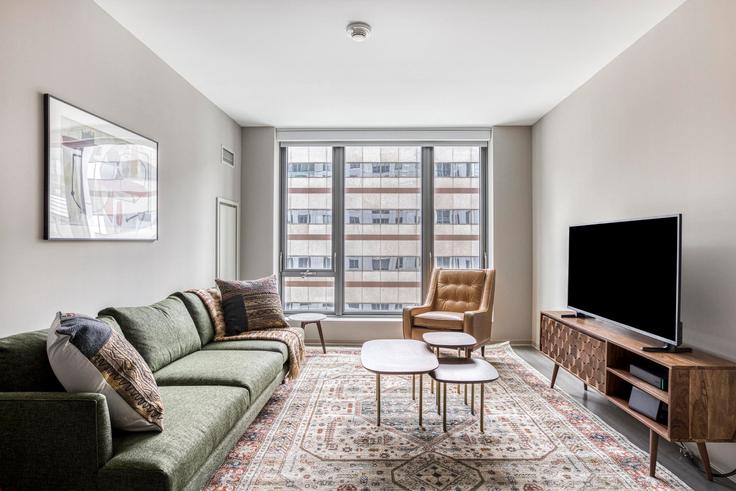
(582, 355)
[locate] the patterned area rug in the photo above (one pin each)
(320, 432)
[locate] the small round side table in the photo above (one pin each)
(311, 318)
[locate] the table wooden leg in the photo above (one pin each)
(444, 408)
(413, 387)
(321, 337)
(554, 376)
(585, 386)
(653, 444)
(458, 355)
(420, 399)
(378, 399)
(482, 393)
(706, 460)
(439, 401)
(466, 394)
(483, 351)
(472, 399)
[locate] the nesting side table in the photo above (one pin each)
(311, 318)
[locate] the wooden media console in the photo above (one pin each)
(701, 389)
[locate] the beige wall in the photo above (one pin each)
(259, 213)
(652, 133)
(511, 231)
(75, 51)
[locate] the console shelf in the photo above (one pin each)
(700, 390)
(653, 391)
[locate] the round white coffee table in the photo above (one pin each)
(311, 318)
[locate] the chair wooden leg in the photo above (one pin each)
(554, 376)
(706, 460)
(321, 337)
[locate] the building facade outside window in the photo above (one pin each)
(363, 225)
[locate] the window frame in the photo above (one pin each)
(339, 265)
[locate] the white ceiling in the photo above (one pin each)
(429, 63)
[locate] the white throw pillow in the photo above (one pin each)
(87, 355)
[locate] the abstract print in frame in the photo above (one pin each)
(101, 179)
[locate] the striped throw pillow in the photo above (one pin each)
(251, 305)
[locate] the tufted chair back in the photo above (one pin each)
(459, 290)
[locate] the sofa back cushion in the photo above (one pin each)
(162, 333)
(201, 317)
(24, 365)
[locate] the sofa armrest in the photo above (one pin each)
(57, 438)
(407, 316)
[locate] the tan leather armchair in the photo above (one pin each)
(457, 300)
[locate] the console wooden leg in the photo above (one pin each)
(554, 376)
(706, 460)
(653, 444)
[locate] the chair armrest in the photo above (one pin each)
(57, 438)
(408, 314)
(477, 323)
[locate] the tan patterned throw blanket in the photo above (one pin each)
(292, 337)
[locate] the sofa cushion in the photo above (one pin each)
(251, 345)
(197, 419)
(87, 355)
(253, 370)
(198, 310)
(24, 365)
(162, 332)
(440, 320)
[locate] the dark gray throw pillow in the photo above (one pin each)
(236, 319)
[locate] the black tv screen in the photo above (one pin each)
(628, 273)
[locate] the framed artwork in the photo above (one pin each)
(101, 179)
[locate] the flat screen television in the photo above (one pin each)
(628, 273)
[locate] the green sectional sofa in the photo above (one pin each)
(51, 439)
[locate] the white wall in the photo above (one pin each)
(652, 133)
(75, 51)
(259, 213)
(511, 168)
(510, 158)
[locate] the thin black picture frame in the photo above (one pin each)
(47, 174)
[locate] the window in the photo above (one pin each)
(388, 185)
(457, 204)
(353, 235)
(308, 277)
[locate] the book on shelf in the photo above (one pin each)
(649, 376)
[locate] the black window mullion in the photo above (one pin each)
(338, 226)
(427, 214)
(484, 208)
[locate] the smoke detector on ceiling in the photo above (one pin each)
(358, 31)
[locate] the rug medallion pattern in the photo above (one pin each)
(319, 432)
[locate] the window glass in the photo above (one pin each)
(382, 227)
(457, 186)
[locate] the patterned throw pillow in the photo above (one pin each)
(251, 305)
(87, 355)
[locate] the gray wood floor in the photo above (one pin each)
(669, 453)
